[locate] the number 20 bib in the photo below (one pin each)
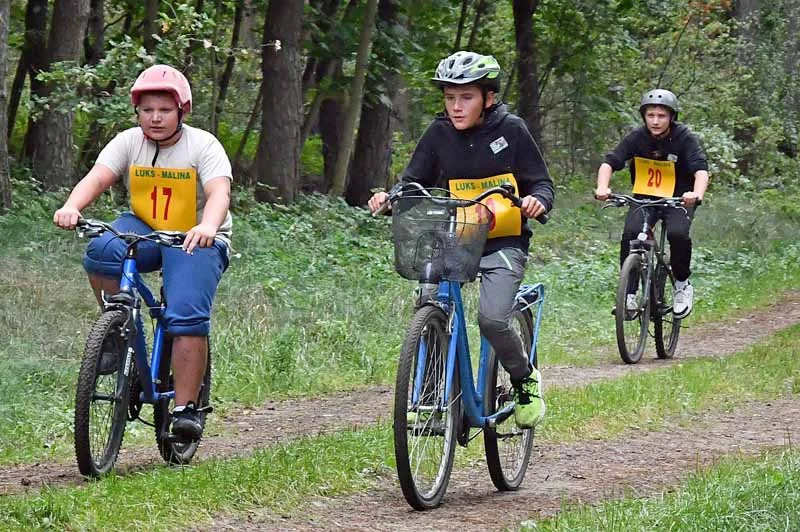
(654, 178)
(164, 198)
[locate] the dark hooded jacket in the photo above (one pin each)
(679, 145)
(445, 153)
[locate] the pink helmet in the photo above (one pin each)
(163, 78)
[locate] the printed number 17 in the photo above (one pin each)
(165, 191)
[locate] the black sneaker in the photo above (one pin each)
(186, 424)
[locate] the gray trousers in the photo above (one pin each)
(501, 275)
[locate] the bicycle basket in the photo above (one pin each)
(445, 233)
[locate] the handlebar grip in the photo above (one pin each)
(542, 219)
(698, 202)
(382, 209)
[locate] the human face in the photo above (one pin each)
(158, 116)
(464, 105)
(657, 118)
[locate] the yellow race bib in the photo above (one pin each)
(164, 198)
(654, 178)
(507, 218)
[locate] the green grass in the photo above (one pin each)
(280, 477)
(737, 494)
(313, 304)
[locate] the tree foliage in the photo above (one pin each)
(734, 70)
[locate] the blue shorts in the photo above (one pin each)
(189, 281)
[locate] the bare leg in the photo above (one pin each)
(189, 359)
(103, 284)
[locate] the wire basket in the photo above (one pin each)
(439, 238)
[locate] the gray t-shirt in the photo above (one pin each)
(197, 151)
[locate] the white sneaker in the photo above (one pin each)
(631, 303)
(682, 299)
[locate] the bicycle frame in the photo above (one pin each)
(132, 284)
(458, 353)
(651, 249)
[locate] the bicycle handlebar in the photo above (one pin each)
(506, 190)
(93, 228)
(620, 200)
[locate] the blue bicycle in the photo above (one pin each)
(117, 377)
(439, 242)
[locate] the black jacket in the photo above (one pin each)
(445, 153)
(681, 143)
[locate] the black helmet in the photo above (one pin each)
(660, 97)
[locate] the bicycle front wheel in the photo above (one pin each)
(508, 447)
(666, 327)
(425, 421)
(631, 324)
(101, 398)
(172, 451)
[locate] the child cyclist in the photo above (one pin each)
(476, 140)
(179, 179)
(664, 147)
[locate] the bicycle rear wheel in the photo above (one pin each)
(631, 325)
(425, 422)
(173, 451)
(508, 447)
(101, 397)
(666, 327)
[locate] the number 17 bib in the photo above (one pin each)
(654, 178)
(164, 198)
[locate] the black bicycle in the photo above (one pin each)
(642, 296)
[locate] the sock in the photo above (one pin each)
(178, 409)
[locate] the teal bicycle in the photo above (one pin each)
(439, 242)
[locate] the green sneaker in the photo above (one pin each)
(530, 404)
(418, 418)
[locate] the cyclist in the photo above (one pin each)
(179, 179)
(666, 160)
(476, 143)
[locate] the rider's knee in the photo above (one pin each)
(101, 258)
(192, 326)
(491, 325)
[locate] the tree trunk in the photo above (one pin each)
(32, 56)
(480, 9)
(278, 158)
(94, 44)
(150, 26)
(331, 116)
(527, 66)
(51, 146)
(242, 172)
(462, 20)
(5, 176)
(354, 104)
(373, 153)
(230, 61)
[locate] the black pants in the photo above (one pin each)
(678, 224)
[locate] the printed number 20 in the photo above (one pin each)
(654, 177)
(165, 191)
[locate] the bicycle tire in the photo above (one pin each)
(508, 448)
(666, 327)
(175, 452)
(423, 479)
(631, 328)
(101, 397)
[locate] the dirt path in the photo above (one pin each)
(588, 472)
(286, 420)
